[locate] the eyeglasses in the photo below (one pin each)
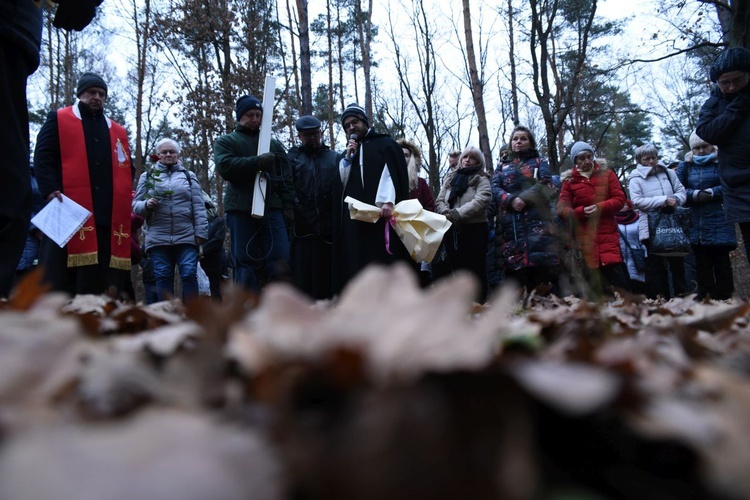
(168, 152)
(310, 134)
(736, 81)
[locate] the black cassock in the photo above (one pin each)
(357, 243)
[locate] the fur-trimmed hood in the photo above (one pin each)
(415, 151)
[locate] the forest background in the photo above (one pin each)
(441, 73)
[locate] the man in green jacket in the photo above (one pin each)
(258, 244)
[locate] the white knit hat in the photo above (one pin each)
(695, 141)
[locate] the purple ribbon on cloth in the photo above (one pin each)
(392, 222)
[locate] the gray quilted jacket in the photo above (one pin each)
(180, 216)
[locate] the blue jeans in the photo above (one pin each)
(259, 243)
(164, 258)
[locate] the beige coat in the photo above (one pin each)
(472, 206)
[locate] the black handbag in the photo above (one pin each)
(668, 237)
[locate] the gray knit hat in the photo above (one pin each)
(578, 148)
(732, 59)
(356, 111)
(88, 80)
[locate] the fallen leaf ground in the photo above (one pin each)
(390, 392)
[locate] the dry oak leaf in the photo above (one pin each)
(573, 388)
(402, 330)
(162, 341)
(715, 421)
(160, 454)
(31, 346)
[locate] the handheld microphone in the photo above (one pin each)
(351, 151)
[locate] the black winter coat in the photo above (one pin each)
(315, 174)
(21, 25)
(724, 120)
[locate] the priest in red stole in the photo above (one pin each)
(85, 155)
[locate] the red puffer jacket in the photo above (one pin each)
(597, 235)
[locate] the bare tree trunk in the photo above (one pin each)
(142, 38)
(555, 108)
(365, 42)
(477, 89)
(512, 59)
(306, 107)
(422, 96)
(734, 16)
(295, 72)
(287, 77)
(331, 137)
(340, 47)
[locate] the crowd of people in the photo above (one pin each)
(585, 232)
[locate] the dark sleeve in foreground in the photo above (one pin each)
(47, 166)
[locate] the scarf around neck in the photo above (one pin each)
(702, 160)
(626, 217)
(460, 182)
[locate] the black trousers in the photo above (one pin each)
(661, 272)
(15, 188)
(714, 271)
(466, 248)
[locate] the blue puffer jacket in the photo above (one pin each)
(710, 226)
(180, 216)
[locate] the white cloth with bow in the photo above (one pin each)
(420, 230)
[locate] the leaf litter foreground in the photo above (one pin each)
(390, 392)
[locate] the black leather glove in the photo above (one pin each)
(75, 14)
(703, 197)
(266, 161)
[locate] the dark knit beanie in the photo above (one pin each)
(307, 122)
(356, 111)
(88, 80)
(733, 59)
(245, 104)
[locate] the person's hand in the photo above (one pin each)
(55, 194)
(671, 201)
(75, 14)
(152, 203)
(453, 217)
(517, 204)
(386, 210)
(704, 197)
(590, 210)
(266, 161)
(200, 240)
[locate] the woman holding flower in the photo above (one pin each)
(170, 199)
